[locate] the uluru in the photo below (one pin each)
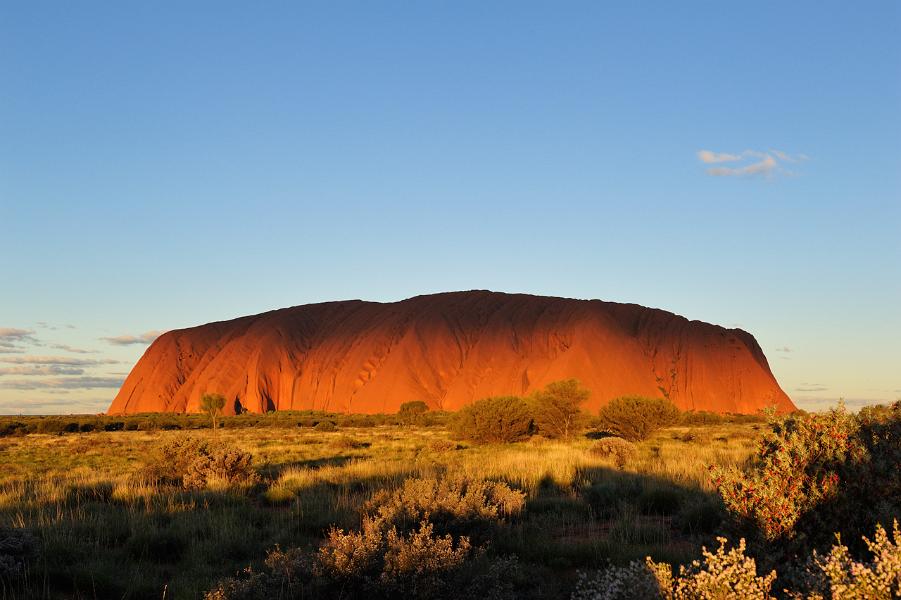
(449, 349)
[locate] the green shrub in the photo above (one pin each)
(212, 406)
(815, 472)
(498, 420)
(325, 427)
(412, 413)
(635, 417)
(556, 410)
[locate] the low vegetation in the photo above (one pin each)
(398, 506)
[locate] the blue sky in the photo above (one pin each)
(172, 164)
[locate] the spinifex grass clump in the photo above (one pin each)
(815, 474)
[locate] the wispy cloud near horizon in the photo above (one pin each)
(57, 360)
(64, 383)
(127, 340)
(12, 339)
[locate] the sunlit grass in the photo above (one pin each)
(85, 497)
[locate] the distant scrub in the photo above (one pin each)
(635, 417)
(75, 424)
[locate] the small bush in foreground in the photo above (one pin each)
(635, 418)
(721, 574)
(837, 575)
(814, 473)
(732, 574)
(499, 420)
(196, 464)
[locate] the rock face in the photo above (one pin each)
(449, 350)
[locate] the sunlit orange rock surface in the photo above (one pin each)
(449, 349)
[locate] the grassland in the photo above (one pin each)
(106, 533)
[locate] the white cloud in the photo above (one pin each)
(57, 360)
(706, 156)
(51, 406)
(69, 348)
(768, 164)
(763, 167)
(65, 383)
(41, 370)
(126, 340)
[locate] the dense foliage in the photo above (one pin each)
(413, 412)
(814, 474)
(636, 417)
(498, 420)
(556, 409)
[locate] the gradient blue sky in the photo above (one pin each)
(168, 164)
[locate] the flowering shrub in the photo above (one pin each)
(837, 575)
(720, 574)
(616, 448)
(635, 581)
(815, 472)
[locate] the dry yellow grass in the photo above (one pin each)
(100, 523)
